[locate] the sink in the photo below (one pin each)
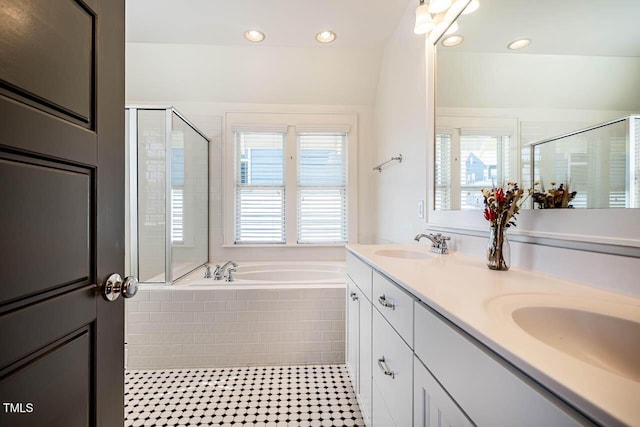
(605, 341)
(402, 253)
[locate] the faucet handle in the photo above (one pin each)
(230, 272)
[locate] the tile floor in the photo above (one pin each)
(310, 395)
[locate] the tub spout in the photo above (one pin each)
(218, 274)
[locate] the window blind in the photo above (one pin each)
(322, 187)
(443, 172)
(260, 212)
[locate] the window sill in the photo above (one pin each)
(294, 245)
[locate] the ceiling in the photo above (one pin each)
(287, 23)
(567, 27)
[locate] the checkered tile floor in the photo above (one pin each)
(312, 395)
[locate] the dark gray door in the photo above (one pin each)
(61, 211)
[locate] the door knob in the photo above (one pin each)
(115, 286)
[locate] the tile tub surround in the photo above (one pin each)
(480, 302)
(183, 328)
(310, 395)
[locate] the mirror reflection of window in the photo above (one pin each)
(467, 162)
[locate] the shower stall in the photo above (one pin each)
(167, 187)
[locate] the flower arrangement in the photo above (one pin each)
(555, 197)
(500, 209)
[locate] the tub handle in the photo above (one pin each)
(354, 296)
(382, 364)
(382, 299)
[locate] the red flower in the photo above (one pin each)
(500, 195)
(490, 215)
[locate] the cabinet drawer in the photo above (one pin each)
(395, 305)
(392, 371)
(490, 391)
(360, 273)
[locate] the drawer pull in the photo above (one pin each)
(354, 296)
(383, 302)
(384, 368)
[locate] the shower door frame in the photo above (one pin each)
(131, 216)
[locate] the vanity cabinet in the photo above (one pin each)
(359, 323)
(484, 386)
(432, 406)
(412, 366)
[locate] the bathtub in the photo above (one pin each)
(273, 313)
(263, 275)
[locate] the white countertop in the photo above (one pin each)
(480, 302)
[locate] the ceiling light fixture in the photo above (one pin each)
(471, 7)
(437, 6)
(452, 29)
(424, 22)
(453, 40)
(519, 44)
(254, 36)
(326, 36)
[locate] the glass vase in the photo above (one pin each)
(498, 249)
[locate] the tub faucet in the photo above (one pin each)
(207, 271)
(218, 274)
(438, 242)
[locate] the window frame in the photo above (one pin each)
(291, 124)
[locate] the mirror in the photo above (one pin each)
(493, 104)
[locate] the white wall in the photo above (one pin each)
(400, 128)
(403, 124)
(204, 82)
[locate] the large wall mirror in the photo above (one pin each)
(495, 106)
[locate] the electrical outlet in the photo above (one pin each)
(420, 209)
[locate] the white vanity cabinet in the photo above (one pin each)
(359, 323)
(484, 386)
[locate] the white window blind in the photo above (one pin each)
(260, 212)
(443, 171)
(322, 187)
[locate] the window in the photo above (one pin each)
(322, 188)
(259, 187)
(292, 183)
(177, 189)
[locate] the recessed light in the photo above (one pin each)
(519, 44)
(254, 36)
(453, 40)
(471, 7)
(326, 36)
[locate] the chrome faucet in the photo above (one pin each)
(218, 274)
(207, 271)
(438, 242)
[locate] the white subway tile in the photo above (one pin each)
(183, 317)
(193, 349)
(190, 328)
(310, 315)
(149, 306)
(289, 294)
(171, 306)
(213, 306)
(333, 336)
(181, 295)
(237, 327)
(256, 305)
(225, 295)
(204, 295)
(226, 316)
(172, 328)
(142, 295)
(160, 317)
(138, 318)
(137, 362)
(215, 327)
(247, 316)
(236, 306)
(132, 306)
(333, 357)
(268, 294)
(160, 339)
(332, 315)
(216, 348)
(144, 350)
(204, 316)
(247, 294)
(160, 362)
(247, 337)
(205, 360)
(135, 339)
(159, 295)
(182, 338)
(193, 306)
(150, 328)
(172, 350)
(204, 338)
(226, 338)
(183, 361)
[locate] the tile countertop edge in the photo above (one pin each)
(565, 393)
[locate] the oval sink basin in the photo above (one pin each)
(607, 342)
(401, 253)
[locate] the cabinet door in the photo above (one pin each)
(392, 370)
(353, 335)
(365, 359)
(432, 406)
